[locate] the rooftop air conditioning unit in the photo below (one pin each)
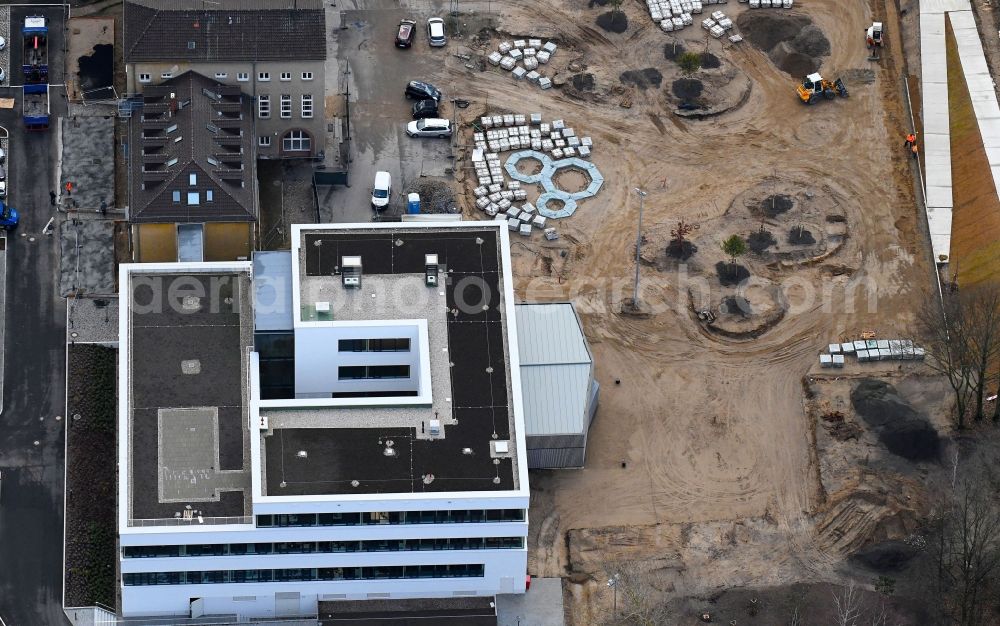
(434, 428)
(431, 270)
(350, 269)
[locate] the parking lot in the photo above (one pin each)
(378, 73)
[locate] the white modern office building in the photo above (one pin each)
(346, 426)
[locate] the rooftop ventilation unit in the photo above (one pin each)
(431, 270)
(351, 271)
(434, 428)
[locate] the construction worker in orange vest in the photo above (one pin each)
(69, 188)
(911, 139)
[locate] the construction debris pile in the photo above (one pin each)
(522, 58)
(872, 350)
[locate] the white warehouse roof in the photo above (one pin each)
(556, 367)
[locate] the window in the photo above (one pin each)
(192, 180)
(166, 75)
(307, 75)
(194, 198)
(243, 76)
(470, 570)
(307, 105)
(176, 196)
(368, 372)
(263, 76)
(191, 45)
(264, 141)
(221, 75)
(296, 141)
(263, 106)
(374, 345)
(209, 196)
(286, 106)
(145, 78)
(286, 76)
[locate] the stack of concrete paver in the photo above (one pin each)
(522, 58)
(770, 4)
(867, 350)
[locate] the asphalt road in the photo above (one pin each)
(31, 443)
(379, 111)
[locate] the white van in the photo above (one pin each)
(381, 190)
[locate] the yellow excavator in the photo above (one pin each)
(815, 87)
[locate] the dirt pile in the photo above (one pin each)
(800, 236)
(888, 556)
(682, 250)
(436, 196)
(672, 50)
(730, 275)
(709, 61)
(761, 240)
(613, 22)
(899, 427)
(793, 43)
(687, 89)
(775, 205)
(643, 79)
(583, 82)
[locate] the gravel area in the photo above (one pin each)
(5, 33)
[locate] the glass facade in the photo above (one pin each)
(325, 547)
(472, 570)
(391, 517)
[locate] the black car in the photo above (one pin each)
(422, 91)
(404, 36)
(425, 108)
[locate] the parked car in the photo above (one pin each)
(381, 190)
(435, 32)
(3, 43)
(3, 155)
(3, 189)
(430, 127)
(424, 109)
(404, 36)
(422, 91)
(3, 75)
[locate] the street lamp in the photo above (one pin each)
(638, 244)
(613, 583)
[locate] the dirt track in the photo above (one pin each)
(711, 430)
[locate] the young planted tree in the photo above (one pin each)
(734, 247)
(689, 62)
(680, 247)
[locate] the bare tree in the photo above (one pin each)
(638, 600)
(847, 605)
(967, 555)
(944, 333)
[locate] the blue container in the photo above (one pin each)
(413, 203)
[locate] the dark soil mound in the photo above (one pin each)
(902, 430)
(673, 50)
(775, 205)
(792, 62)
(761, 241)
(766, 29)
(583, 82)
(613, 22)
(599, 3)
(736, 305)
(435, 196)
(730, 274)
(682, 251)
(643, 79)
(888, 556)
(800, 237)
(97, 73)
(811, 41)
(687, 88)
(709, 61)
(792, 41)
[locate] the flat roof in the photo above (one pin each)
(188, 335)
(344, 446)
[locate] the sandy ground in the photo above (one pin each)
(704, 431)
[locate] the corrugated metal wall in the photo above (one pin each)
(555, 458)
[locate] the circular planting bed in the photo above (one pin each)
(613, 21)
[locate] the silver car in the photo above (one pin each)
(429, 127)
(435, 32)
